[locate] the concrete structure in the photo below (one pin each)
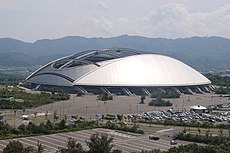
(120, 71)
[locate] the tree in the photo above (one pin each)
(49, 125)
(221, 131)
(207, 133)
(119, 117)
(62, 124)
(72, 147)
(229, 132)
(55, 115)
(22, 128)
(116, 151)
(35, 114)
(105, 97)
(46, 114)
(23, 111)
(142, 99)
(100, 143)
(199, 131)
(40, 148)
(17, 147)
(13, 147)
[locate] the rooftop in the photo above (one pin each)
(94, 56)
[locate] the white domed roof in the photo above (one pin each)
(117, 67)
(143, 70)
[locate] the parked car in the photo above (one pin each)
(173, 142)
(211, 120)
(153, 137)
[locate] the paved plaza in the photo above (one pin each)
(88, 106)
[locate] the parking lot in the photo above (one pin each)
(127, 142)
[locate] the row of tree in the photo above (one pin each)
(206, 138)
(7, 131)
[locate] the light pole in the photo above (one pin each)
(98, 111)
(63, 108)
(183, 104)
(106, 108)
(130, 109)
(86, 107)
(68, 109)
(60, 111)
(15, 112)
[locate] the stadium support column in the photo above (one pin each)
(104, 90)
(81, 89)
(126, 91)
(145, 91)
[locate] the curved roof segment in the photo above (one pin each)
(117, 67)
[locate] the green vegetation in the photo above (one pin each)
(194, 148)
(218, 144)
(218, 80)
(166, 94)
(17, 147)
(160, 102)
(7, 131)
(222, 90)
(11, 79)
(72, 147)
(222, 81)
(100, 143)
(207, 139)
(122, 127)
(104, 97)
(14, 146)
(29, 100)
(80, 94)
(14, 75)
(142, 100)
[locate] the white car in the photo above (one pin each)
(173, 142)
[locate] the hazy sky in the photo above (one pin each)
(30, 20)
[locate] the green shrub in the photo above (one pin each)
(104, 97)
(160, 102)
(166, 94)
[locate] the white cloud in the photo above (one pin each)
(32, 19)
(170, 21)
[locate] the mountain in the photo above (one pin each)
(202, 53)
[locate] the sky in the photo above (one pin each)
(31, 20)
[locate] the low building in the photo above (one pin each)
(198, 109)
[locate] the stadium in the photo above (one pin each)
(119, 71)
